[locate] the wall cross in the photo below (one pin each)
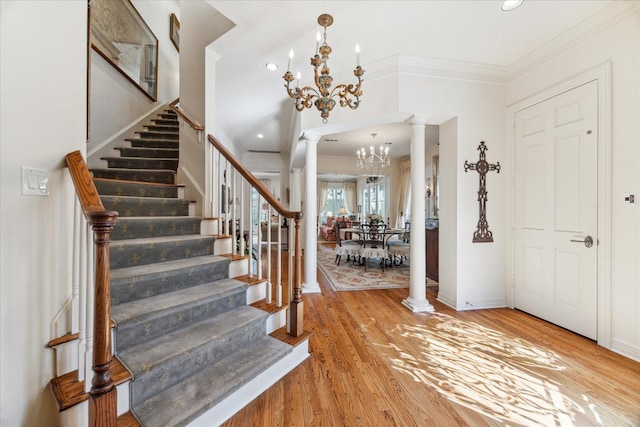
(482, 234)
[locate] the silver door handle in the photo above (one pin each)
(588, 241)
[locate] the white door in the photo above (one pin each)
(556, 210)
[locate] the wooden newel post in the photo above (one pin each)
(103, 405)
(296, 307)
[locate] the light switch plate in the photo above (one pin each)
(35, 182)
(629, 199)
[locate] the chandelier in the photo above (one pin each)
(374, 163)
(322, 97)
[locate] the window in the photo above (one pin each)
(374, 199)
(335, 201)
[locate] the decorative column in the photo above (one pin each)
(310, 284)
(417, 299)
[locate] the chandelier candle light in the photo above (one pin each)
(322, 97)
(375, 163)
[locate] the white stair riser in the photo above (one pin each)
(256, 292)
(238, 268)
(276, 320)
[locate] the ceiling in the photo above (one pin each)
(476, 31)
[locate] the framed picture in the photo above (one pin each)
(174, 31)
(123, 39)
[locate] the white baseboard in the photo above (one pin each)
(626, 349)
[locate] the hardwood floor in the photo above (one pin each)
(375, 363)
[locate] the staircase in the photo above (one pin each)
(183, 327)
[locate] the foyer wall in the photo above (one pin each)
(619, 44)
(43, 115)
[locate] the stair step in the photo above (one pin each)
(147, 134)
(146, 206)
(144, 175)
(153, 143)
(185, 401)
(134, 227)
(141, 163)
(132, 252)
(169, 115)
(153, 318)
(157, 153)
(164, 128)
(116, 187)
(170, 122)
(132, 283)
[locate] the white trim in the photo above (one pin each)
(601, 74)
(193, 181)
(626, 349)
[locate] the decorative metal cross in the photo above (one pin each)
(482, 234)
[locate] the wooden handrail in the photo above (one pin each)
(183, 116)
(253, 181)
(296, 306)
(102, 397)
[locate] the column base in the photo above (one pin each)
(311, 288)
(418, 306)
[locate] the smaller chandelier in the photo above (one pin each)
(322, 97)
(374, 163)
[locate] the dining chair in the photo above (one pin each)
(399, 249)
(373, 243)
(346, 247)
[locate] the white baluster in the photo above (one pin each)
(279, 266)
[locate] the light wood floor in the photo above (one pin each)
(374, 363)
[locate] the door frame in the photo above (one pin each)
(601, 74)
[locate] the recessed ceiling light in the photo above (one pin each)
(271, 66)
(260, 136)
(509, 5)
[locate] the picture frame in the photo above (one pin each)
(174, 31)
(124, 40)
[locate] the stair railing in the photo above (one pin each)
(194, 125)
(224, 162)
(102, 395)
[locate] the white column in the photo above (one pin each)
(310, 284)
(417, 299)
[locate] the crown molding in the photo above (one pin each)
(574, 36)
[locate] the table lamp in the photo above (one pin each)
(343, 212)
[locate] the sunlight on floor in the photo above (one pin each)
(487, 371)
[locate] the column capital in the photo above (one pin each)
(419, 120)
(310, 137)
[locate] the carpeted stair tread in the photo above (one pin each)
(148, 134)
(141, 163)
(162, 176)
(142, 281)
(118, 187)
(134, 227)
(185, 401)
(176, 355)
(152, 143)
(146, 206)
(148, 153)
(132, 252)
(154, 318)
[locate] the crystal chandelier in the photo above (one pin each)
(322, 97)
(374, 163)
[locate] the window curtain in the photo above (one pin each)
(350, 196)
(405, 191)
(323, 190)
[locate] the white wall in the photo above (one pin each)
(479, 109)
(115, 102)
(619, 44)
(43, 115)
(200, 25)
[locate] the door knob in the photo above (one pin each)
(588, 241)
